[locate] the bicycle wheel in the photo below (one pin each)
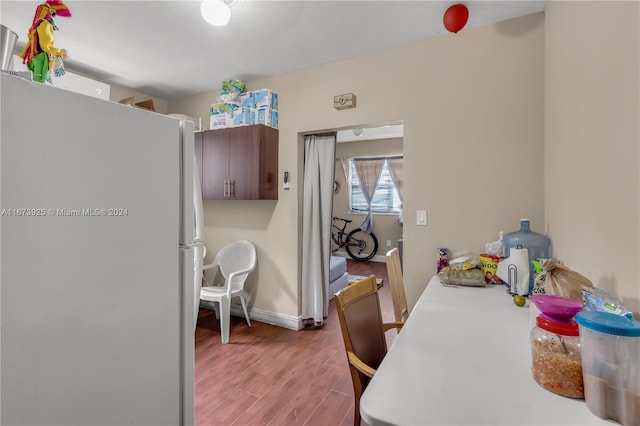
(360, 245)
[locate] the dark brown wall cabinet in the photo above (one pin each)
(238, 163)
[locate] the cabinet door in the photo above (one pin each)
(244, 156)
(215, 159)
(268, 178)
(253, 163)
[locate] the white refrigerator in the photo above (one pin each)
(100, 261)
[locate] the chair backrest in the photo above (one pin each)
(360, 319)
(398, 295)
(237, 256)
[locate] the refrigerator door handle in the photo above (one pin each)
(197, 204)
(188, 171)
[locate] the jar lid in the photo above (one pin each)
(609, 323)
(566, 328)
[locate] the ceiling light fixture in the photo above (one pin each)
(216, 12)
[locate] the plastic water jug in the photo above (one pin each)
(539, 245)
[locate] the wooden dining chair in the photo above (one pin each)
(398, 295)
(363, 332)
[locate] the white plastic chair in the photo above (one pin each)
(236, 260)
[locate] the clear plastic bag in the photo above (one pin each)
(58, 67)
(464, 277)
(598, 300)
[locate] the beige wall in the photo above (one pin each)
(592, 141)
(472, 108)
(385, 227)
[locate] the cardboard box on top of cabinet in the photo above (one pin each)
(267, 116)
(148, 104)
(244, 117)
(265, 98)
(220, 121)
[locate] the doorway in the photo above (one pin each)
(365, 142)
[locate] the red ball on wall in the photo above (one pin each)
(455, 18)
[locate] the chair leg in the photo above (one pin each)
(225, 318)
(216, 309)
(356, 378)
(244, 308)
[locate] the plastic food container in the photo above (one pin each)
(611, 362)
(556, 356)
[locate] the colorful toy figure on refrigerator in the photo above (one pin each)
(39, 54)
(442, 258)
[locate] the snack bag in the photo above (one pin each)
(463, 260)
(559, 280)
(489, 267)
(443, 259)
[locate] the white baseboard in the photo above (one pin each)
(274, 318)
(376, 258)
(268, 317)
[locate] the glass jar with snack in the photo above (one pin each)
(556, 355)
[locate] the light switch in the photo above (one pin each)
(421, 216)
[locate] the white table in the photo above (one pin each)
(464, 358)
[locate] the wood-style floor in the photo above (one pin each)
(269, 375)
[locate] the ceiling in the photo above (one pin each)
(166, 50)
(370, 133)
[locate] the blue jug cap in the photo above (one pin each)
(609, 323)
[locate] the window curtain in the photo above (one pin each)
(368, 170)
(396, 169)
(319, 169)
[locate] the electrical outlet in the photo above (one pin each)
(388, 243)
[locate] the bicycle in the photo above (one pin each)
(359, 245)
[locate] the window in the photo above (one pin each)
(385, 199)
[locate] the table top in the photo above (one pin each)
(464, 358)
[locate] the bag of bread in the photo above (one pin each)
(472, 277)
(559, 280)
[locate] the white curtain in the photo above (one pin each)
(319, 169)
(396, 170)
(369, 171)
